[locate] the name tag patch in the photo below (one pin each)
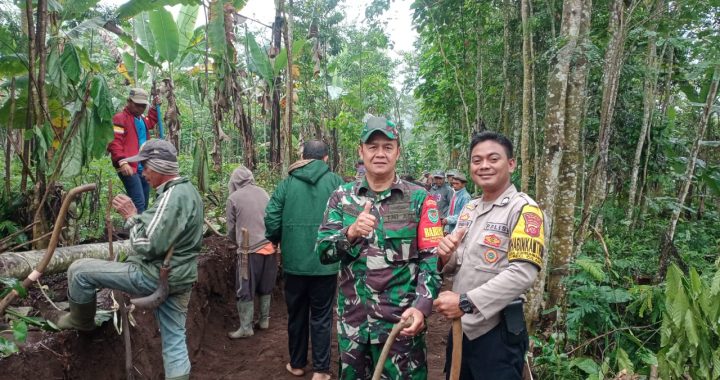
(497, 227)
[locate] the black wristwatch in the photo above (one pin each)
(466, 305)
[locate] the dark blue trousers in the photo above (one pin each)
(497, 355)
(309, 302)
(137, 189)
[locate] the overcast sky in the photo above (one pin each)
(398, 16)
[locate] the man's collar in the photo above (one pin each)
(363, 187)
(504, 198)
(169, 183)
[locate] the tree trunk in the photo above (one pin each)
(687, 178)
(172, 114)
(505, 104)
(648, 107)
(216, 107)
(9, 136)
(20, 264)
(479, 123)
(667, 97)
(286, 135)
(526, 97)
(597, 184)
(275, 147)
(555, 135)
(562, 243)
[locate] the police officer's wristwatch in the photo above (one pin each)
(466, 305)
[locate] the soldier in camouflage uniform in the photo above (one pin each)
(382, 230)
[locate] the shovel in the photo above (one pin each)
(244, 259)
(160, 294)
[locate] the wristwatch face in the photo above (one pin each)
(465, 305)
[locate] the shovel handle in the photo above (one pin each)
(388, 344)
(244, 259)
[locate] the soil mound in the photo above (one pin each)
(211, 314)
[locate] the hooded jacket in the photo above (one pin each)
(246, 209)
(295, 212)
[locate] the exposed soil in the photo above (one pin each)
(100, 354)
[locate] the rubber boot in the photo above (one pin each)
(81, 317)
(264, 322)
(181, 377)
(245, 311)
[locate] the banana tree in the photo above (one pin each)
(59, 101)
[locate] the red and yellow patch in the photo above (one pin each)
(492, 240)
(491, 256)
(527, 241)
(430, 231)
(118, 129)
(464, 217)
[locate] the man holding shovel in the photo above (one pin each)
(382, 231)
(494, 253)
(174, 222)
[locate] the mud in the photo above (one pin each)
(100, 354)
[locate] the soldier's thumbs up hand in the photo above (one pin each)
(449, 243)
(364, 224)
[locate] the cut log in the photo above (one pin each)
(20, 264)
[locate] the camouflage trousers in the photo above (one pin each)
(407, 359)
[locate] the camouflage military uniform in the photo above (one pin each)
(381, 275)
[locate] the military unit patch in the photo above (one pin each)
(464, 217)
(492, 240)
(528, 237)
(470, 206)
(533, 222)
(491, 256)
(526, 249)
(433, 215)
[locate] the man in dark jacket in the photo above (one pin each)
(256, 267)
(292, 219)
(132, 129)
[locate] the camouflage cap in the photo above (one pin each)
(381, 124)
(438, 174)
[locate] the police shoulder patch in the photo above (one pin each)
(527, 240)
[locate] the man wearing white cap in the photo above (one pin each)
(131, 131)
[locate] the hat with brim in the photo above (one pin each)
(155, 149)
(139, 96)
(460, 177)
(438, 174)
(379, 124)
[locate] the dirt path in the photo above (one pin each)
(100, 354)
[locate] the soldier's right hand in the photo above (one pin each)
(364, 224)
(449, 243)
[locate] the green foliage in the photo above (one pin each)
(135, 7)
(690, 332)
(258, 60)
(9, 347)
(165, 33)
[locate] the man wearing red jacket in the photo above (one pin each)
(131, 131)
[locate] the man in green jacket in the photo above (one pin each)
(175, 222)
(292, 219)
